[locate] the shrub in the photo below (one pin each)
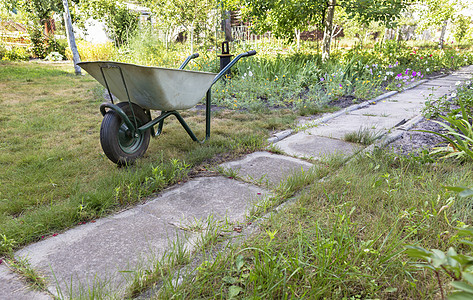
(14, 54)
(90, 52)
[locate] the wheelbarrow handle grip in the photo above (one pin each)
(230, 64)
(250, 53)
(188, 59)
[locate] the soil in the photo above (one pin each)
(344, 101)
(414, 141)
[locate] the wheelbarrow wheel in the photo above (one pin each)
(117, 142)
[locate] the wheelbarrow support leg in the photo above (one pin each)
(208, 102)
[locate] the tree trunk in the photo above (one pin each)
(227, 27)
(328, 24)
(192, 37)
(298, 38)
(71, 38)
(442, 34)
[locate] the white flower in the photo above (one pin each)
(250, 73)
(458, 83)
(427, 69)
(454, 94)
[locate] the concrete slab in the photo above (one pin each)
(201, 197)
(339, 127)
(428, 89)
(391, 109)
(267, 167)
(420, 95)
(316, 147)
(446, 82)
(93, 255)
(13, 287)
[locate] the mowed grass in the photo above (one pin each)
(54, 174)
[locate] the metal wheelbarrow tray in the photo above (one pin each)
(127, 126)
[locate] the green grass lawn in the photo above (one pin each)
(54, 172)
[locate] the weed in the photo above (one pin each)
(23, 267)
(364, 136)
(459, 135)
(435, 106)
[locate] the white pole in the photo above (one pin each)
(71, 38)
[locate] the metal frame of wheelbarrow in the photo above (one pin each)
(136, 131)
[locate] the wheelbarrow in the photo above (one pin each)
(127, 125)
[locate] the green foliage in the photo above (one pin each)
(435, 12)
(121, 22)
(457, 266)
(13, 54)
(458, 131)
(38, 41)
(90, 51)
(196, 16)
(462, 27)
(384, 11)
(6, 244)
(42, 45)
(282, 17)
(39, 9)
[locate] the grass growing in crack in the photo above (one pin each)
(23, 267)
(344, 237)
(288, 188)
(273, 148)
(229, 172)
(363, 136)
(147, 278)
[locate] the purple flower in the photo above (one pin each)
(399, 85)
(340, 85)
(322, 79)
(399, 76)
(390, 66)
(414, 73)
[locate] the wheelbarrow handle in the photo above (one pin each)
(188, 59)
(230, 64)
(249, 53)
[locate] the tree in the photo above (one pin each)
(462, 26)
(282, 17)
(121, 22)
(438, 13)
(192, 15)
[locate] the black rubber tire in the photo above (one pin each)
(120, 147)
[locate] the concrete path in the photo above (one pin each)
(99, 256)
